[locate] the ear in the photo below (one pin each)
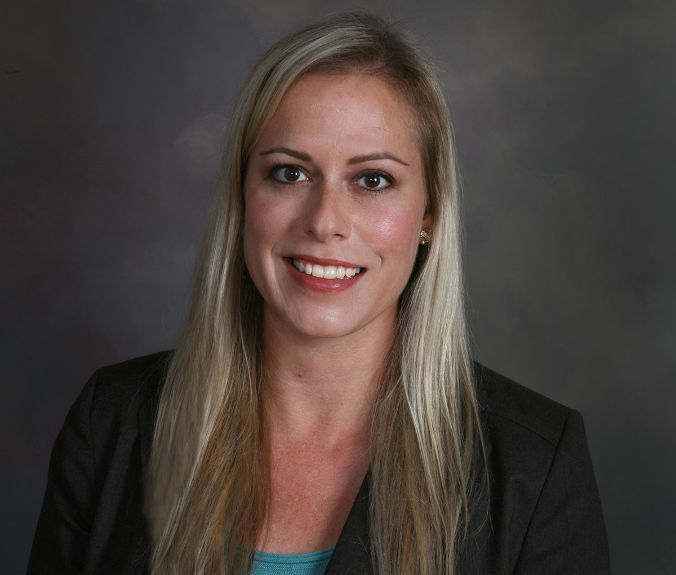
(428, 220)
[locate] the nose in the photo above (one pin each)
(328, 212)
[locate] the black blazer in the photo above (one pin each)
(543, 518)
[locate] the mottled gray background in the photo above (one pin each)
(111, 115)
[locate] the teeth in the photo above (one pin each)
(317, 271)
(326, 272)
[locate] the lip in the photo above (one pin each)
(322, 261)
(320, 284)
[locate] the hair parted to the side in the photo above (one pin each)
(208, 484)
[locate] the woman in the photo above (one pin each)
(321, 406)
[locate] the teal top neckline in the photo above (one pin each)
(313, 563)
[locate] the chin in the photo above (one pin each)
(325, 330)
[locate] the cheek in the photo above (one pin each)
(266, 220)
(259, 235)
(395, 233)
(258, 216)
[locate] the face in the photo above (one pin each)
(334, 205)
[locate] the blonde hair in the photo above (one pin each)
(208, 484)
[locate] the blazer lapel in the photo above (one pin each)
(352, 555)
(147, 412)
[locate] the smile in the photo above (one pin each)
(326, 272)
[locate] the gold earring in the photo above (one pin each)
(425, 236)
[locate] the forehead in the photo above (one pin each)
(355, 106)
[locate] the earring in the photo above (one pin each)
(425, 236)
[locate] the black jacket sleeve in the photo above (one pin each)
(567, 534)
(62, 535)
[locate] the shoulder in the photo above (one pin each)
(132, 381)
(116, 392)
(117, 407)
(523, 432)
(91, 519)
(122, 388)
(544, 510)
(511, 405)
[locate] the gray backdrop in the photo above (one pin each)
(111, 116)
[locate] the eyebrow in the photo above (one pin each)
(288, 152)
(351, 162)
(376, 156)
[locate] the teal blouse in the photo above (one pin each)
(297, 564)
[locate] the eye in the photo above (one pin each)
(288, 174)
(375, 181)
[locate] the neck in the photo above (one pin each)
(322, 387)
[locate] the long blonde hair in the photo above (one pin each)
(208, 483)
